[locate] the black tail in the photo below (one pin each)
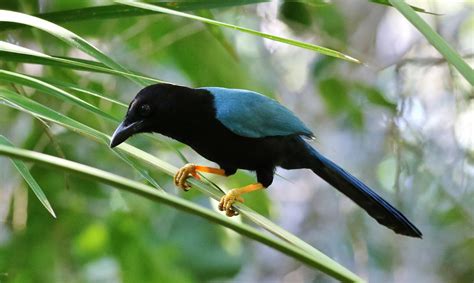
(370, 201)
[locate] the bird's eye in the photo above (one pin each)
(145, 110)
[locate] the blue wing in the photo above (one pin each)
(253, 115)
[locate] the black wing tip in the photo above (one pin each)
(411, 232)
(405, 228)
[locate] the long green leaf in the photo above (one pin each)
(435, 39)
(387, 3)
(119, 11)
(325, 263)
(320, 49)
(52, 90)
(12, 52)
(25, 173)
(66, 36)
(73, 87)
(48, 114)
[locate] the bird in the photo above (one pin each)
(242, 129)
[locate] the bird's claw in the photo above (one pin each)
(183, 174)
(226, 202)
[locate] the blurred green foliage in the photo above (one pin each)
(369, 123)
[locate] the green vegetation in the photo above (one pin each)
(68, 70)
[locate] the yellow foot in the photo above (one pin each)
(234, 195)
(228, 200)
(183, 174)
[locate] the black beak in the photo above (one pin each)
(124, 131)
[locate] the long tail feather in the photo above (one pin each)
(361, 194)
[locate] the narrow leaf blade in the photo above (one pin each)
(15, 53)
(309, 46)
(48, 114)
(52, 90)
(68, 37)
(435, 39)
(387, 3)
(120, 11)
(29, 179)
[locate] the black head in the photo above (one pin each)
(146, 111)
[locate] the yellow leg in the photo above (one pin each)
(191, 170)
(211, 170)
(233, 195)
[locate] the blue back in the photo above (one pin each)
(253, 115)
